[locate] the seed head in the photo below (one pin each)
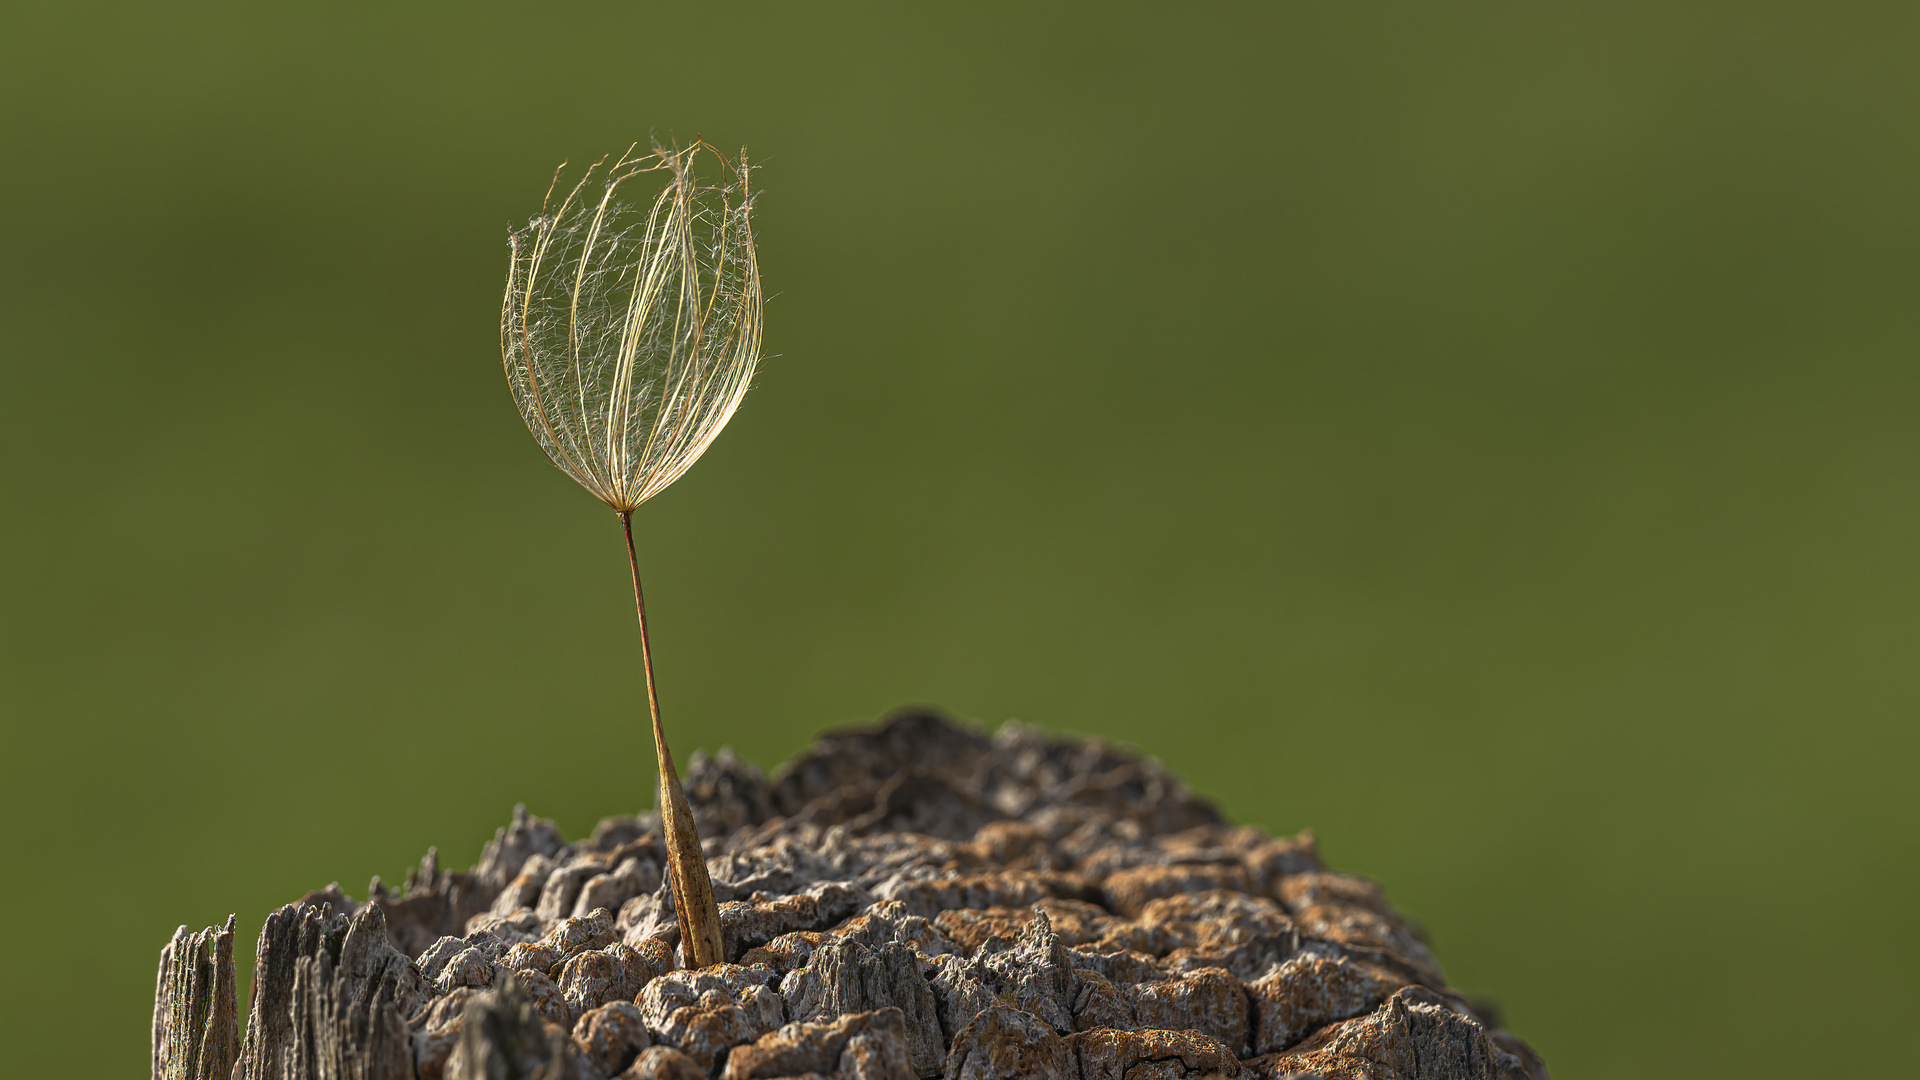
(629, 337)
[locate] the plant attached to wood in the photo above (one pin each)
(629, 337)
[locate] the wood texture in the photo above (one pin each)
(916, 899)
(194, 1037)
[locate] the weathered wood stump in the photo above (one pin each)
(912, 900)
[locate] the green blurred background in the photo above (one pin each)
(1486, 435)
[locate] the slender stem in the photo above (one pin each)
(701, 944)
(646, 649)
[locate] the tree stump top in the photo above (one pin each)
(914, 899)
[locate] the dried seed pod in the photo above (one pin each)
(628, 340)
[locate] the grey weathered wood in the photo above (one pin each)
(194, 1037)
(331, 998)
(349, 1017)
(915, 900)
(504, 1037)
(290, 934)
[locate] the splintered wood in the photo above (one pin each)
(912, 900)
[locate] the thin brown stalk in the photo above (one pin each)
(693, 905)
(625, 372)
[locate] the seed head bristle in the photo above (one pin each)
(629, 337)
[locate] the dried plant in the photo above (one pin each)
(629, 338)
